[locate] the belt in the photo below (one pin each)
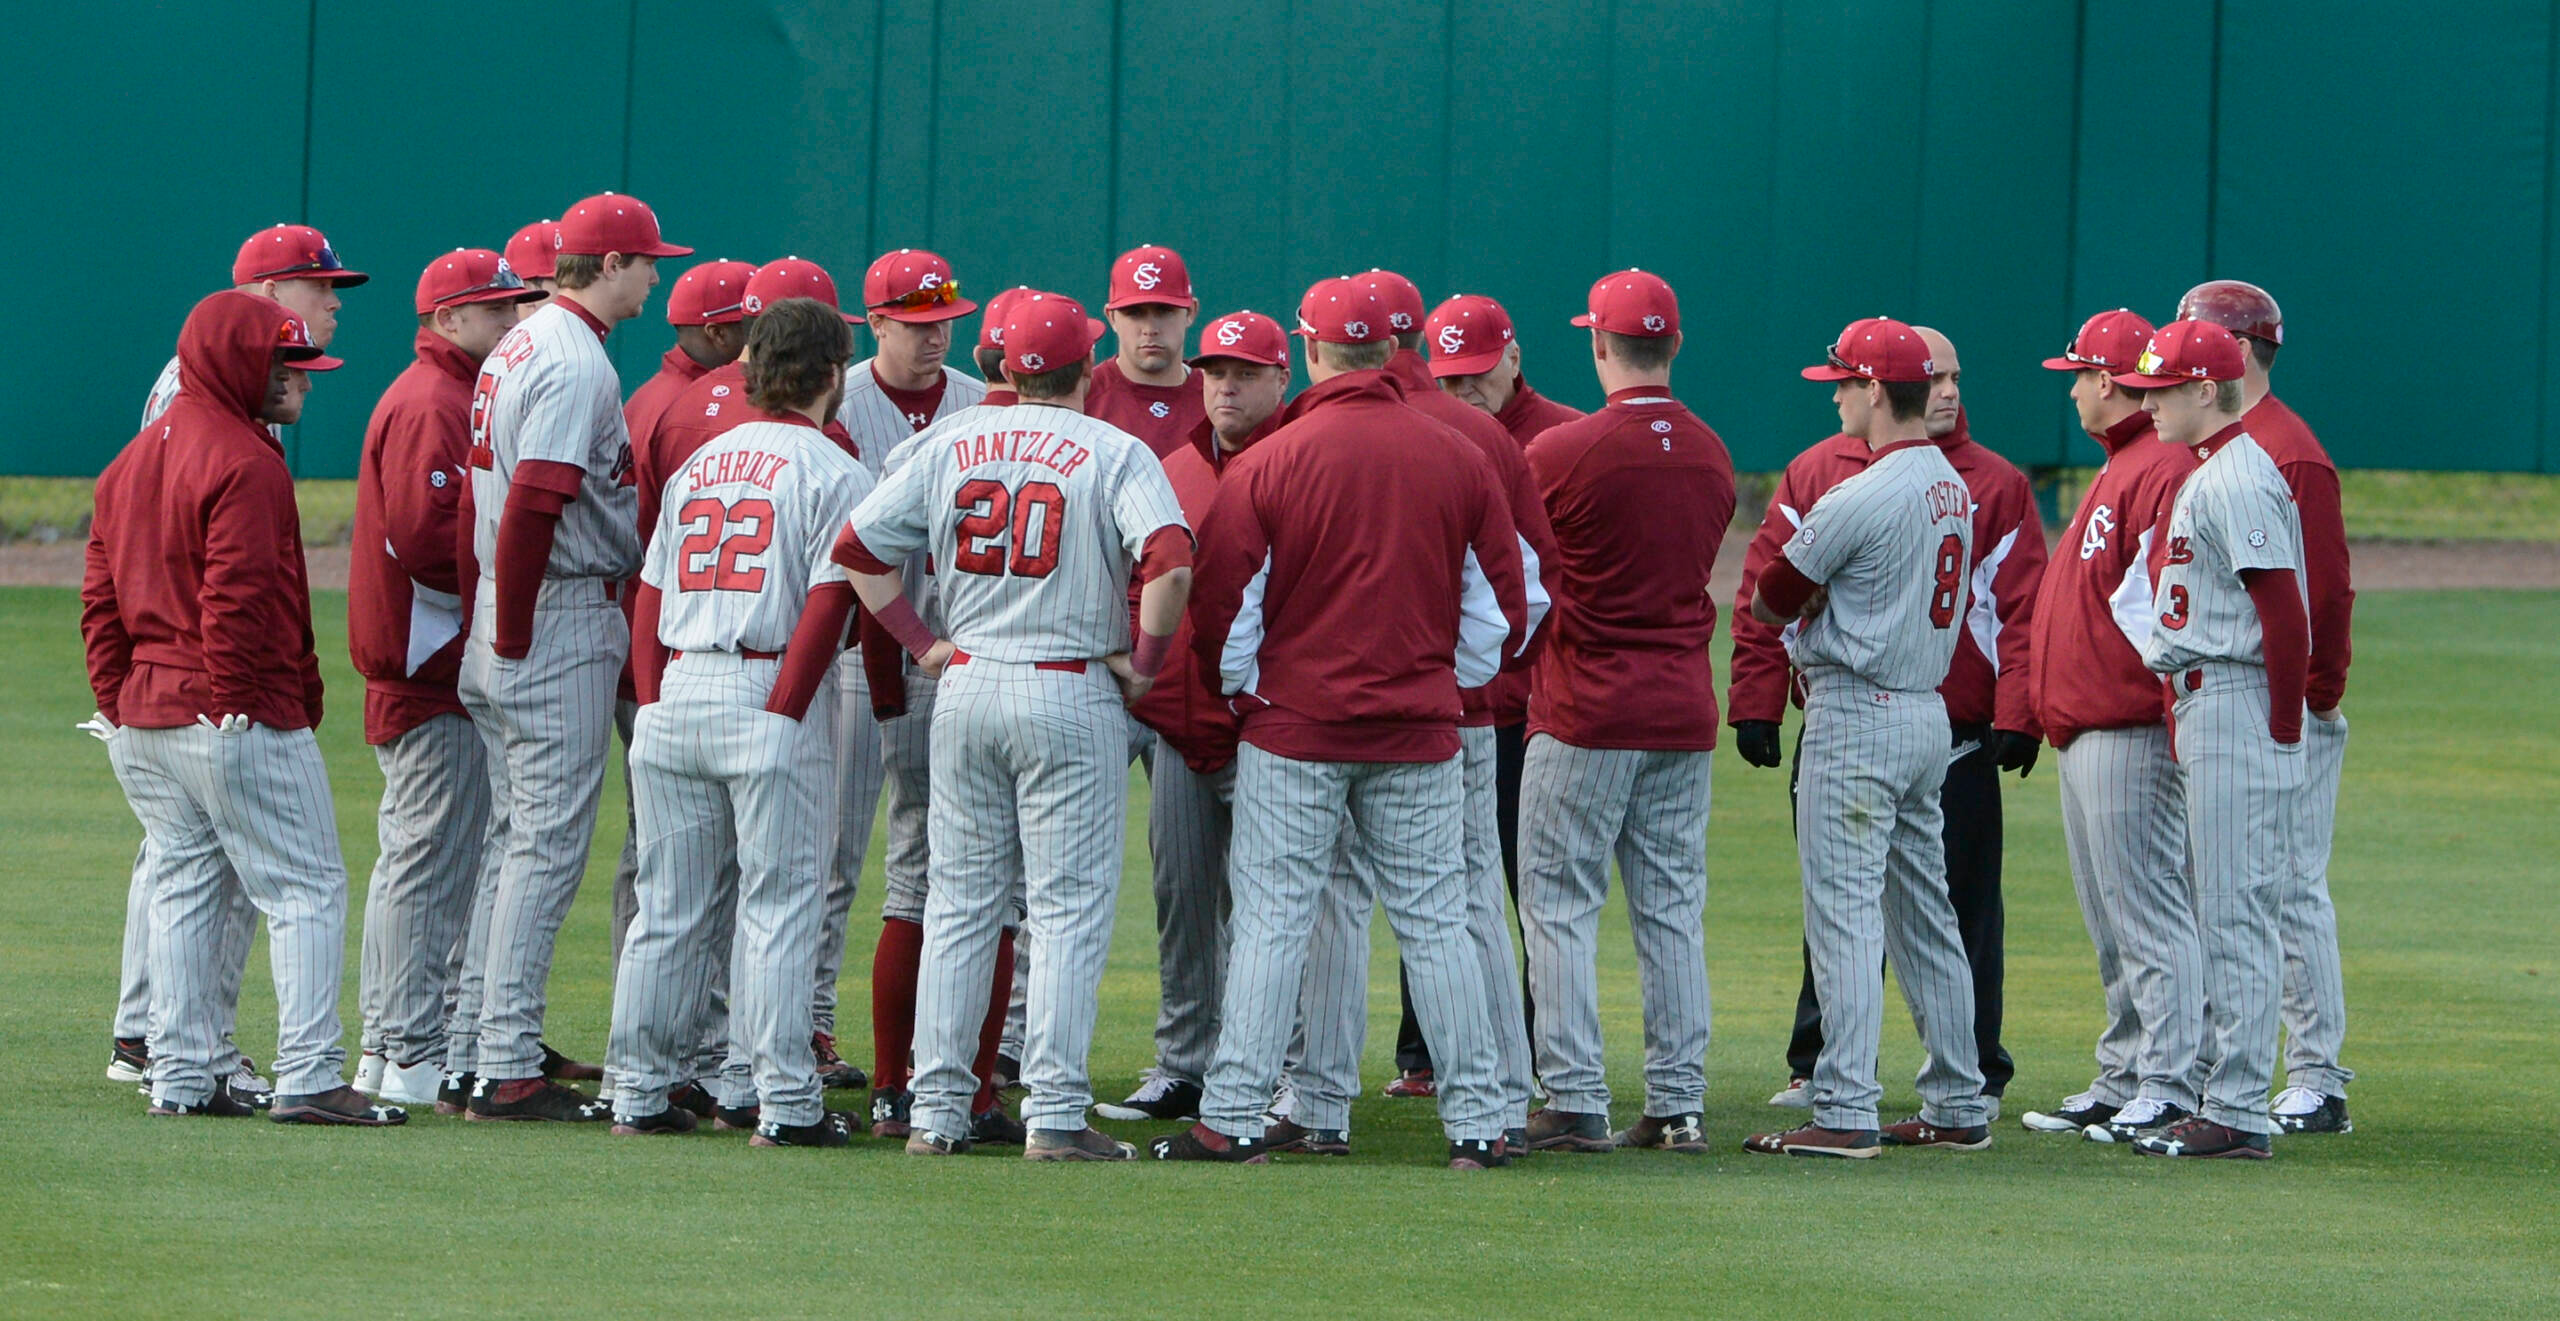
(743, 653)
(1062, 667)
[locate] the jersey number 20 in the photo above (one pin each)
(1032, 517)
(1948, 582)
(709, 558)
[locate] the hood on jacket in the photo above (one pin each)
(226, 352)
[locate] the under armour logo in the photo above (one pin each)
(1146, 276)
(1033, 362)
(1453, 339)
(1356, 329)
(918, 419)
(1654, 324)
(753, 305)
(1402, 321)
(2093, 538)
(1230, 332)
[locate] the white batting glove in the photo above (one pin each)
(235, 723)
(98, 727)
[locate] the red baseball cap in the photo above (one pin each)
(2107, 342)
(991, 329)
(1045, 331)
(1467, 335)
(611, 222)
(792, 277)
(291, 252)
(1401, 297)
(915, 286)
(2186, 351)
(471, 275)
(1632, 302)
(1875, 349)
(530, 251)
(711, 294)
(293, 338)
(1153, 274)
(1344, 310)
(2237, 306)
(1245, 337)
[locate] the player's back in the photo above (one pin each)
(2235, 513)
(548, 393)
(743, 533)
(1893, 542)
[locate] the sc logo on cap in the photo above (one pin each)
(1146, 276)
(1230, 332)
(1356, 329)
(752, 305)
(1034, 362)
(1654, 324)
(1402, 321)
(1453, 339)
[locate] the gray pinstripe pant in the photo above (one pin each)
(248, 813)
(2241, 792)
(2124, 821)
(1290, 821)
(2315, 993)
(547, 721)
(1875, 888)
(737, 813)
(626, 873)
(1578, 808)
(906, 765)
(433, 817)
(1029, 796)
(133, 990)
(858, 781)
(1189, 823)
(1142, 752)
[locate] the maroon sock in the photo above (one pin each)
(991, 1032)
(893, 1000)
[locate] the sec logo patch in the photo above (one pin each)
(2257, 538)
(437, 479)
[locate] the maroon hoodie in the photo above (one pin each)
(1184, 707)
(409, 483)
(195, 600)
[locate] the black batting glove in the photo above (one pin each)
(1757, 741)
(2015, 751)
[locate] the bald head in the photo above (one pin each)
(1946, 393)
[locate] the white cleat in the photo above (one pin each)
(1284, 1103)
(369, 1067)
(1796, 1095)
(411, 1084)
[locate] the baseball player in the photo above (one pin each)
(294, 265)
(743, 615)
(988, 356)
(1146, 388)
(2123, 819)
(196, 614)
(1877, 575)
(1039, 512)
(2231, 632)
(1358, 569)
(1622, 726)
(1243, 367)
(1985, 692)
(555, 534)
(2314, 1099)
(532, 254)
(1335, 1002)
(405, 633)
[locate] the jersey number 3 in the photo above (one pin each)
(709, 559)
(2176, 615)
(989, 513)
(1947, 582)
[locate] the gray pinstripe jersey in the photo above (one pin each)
(878, 426)
(745, 532)
(549, 392)
(2234, 513)
(1034, 514)
(1890, 545)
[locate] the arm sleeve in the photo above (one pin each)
(420, 512)
(2325, 576)
(1758, 690)
(648, 654)
(813, 648)
(2012, 589)
(2287, 634)
(110, 648)
(1168, 548)
(1784, 588)
(525, 530)
(243, 571)
(883, 667)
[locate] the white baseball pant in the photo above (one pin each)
(433, 817)
(2124, 822)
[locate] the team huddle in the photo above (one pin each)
(1416, 637)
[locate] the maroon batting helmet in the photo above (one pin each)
(2237, 306)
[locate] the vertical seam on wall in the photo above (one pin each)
(2213, 148)
(630, 80)
(2550, 222)
(2071, 195)
(1609, 135)
(302, 212)
(871, 193)
(1439, 273)
(1920, 186)
(1111, 150)
(933, 123)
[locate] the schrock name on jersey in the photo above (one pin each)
(749, 467)
(1047, 448)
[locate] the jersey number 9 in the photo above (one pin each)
(1032, 517)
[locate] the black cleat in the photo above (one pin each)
(2329, 1116)
(666, 1123)
(1201, 1142)
(922, 1143)
(736, 1118)
(1478, 1154)
(1159, 1097)
(890, 1108)
(534, 1099)
(995, 1128)
(833, 1129)
(2202, 1139)
(2075, 1114)
(129, 1060)
(340, 1105)
(692, 1098)
(2140, 1116)
(453, 1095)
(1288, 1135)
(221, 1105)
(834, 1073)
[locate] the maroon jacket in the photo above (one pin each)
(409, 482)
(2095, 607)
(1641, 493)
(642, 413)
(1184, 706)
(194, 600)
(2314, 479)
(2008, 561)
(1161, 415)
(1530, 413)
(1335, 558)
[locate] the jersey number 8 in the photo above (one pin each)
(1032, 516)
(710, 561)
(1948, 580)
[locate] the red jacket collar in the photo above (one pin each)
(1411, 371)
(446, 356)
(2133, 426)
(1204, 438)
(2212, 445)
(1376, 384)
(681, 363)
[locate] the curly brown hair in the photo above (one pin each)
(792, 349)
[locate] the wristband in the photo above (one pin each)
(1149, 657)
(906, 627)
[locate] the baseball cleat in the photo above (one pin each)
(1564, 1130)
(2308, 1110)
(246, 1085)
(1686, 1134)
(2199, 1138)
(2076, 1112)
(410, 1084)
(453, 1095)
(1478, 1154)
(1412, 1084)
(1160, 1096)
(537, 1100)
(341, 1105)
(889, 1112)
(1796, 1095)
(557, 1065)
(129, 1060)
(2141, 1116)
(1815, 1140)
(922, 1143)
(1008, 1073)
(1517, 1141)
(992, 1127)
(692, 1097)
(221, 1105)
(833, 1129)
(1918, 1132)
(1201, 1142)
(1084, 1144)
(665, 1123)
(369, 1069)
(833, 1072)
(1284, 1102)
(736, 1118)
(1289, 1135)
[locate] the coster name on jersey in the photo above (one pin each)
(743, 467)
(1950, 500)
(1042, 447)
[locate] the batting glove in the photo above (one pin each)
(97, 727)
(235, 723)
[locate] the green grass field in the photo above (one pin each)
(2441, 1204)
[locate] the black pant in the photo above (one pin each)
(1510, 748)
(1971, 802)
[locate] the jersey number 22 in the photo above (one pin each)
(711, 560)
